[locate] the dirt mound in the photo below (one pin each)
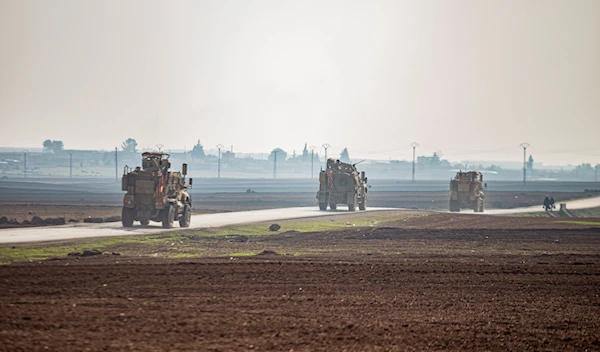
(236, 238)
(267, 253)
(85, 253)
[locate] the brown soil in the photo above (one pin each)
(430, 282)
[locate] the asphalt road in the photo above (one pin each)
(573, 204)
(86, 230)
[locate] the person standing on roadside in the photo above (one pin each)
(546, 203)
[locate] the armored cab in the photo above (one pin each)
(341, 183)
(466, 191)
(155, 193)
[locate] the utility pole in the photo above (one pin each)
(524, 145)
(25, 164)
(414, 145)
(312, 160)
(275, 163)
(326, 146)
(219, 147)
(116, 165)
(71, 164)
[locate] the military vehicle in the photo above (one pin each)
(466, 191)
(155, 193)
(341, 183)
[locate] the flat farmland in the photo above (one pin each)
(410, 281)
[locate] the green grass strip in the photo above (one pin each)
(575, 222)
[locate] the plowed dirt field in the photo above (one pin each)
(435, 282)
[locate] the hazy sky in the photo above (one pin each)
(470, 78)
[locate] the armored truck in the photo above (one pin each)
(341, 183)
(156, 194)
(466, 191)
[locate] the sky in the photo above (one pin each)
(469, 79)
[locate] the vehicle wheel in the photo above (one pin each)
(363, 205)
(343, 182)
(332, 206)
(168, 216)
(186, 217)
(127, 217)
(352, 206)
(454, 206)
(322, 206)
(144, 222)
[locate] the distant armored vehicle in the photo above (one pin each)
(466, 191)
(340, 183)
(155, 193)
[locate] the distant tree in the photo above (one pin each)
(129, 146)
(344, 156)
(53, 146)
(47, 145)
(198, 151)
(281, 154)
(58, 146)
(530, 163)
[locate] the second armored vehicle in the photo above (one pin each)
(155, 193)
(466, 191)
(341, 183)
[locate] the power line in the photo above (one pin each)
(25, 164)
(219, 147)
(116, 165)
(326, 146)
(312, 160)
(414, 145)
(524, 145)
(275, 163)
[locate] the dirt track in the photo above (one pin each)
(438, 282)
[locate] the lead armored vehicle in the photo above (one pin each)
(341, 183)
(156, 194)
(466, 191)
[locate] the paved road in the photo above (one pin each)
(573, 205)
(84, 230)
(81, 230)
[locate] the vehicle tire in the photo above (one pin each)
(332, 206)
(343, 182)
(454, 206)
(186, 217)
(127, 217)
(352, 206)
(168, 216)
(144, 222)
(322, 206)
(362, 205)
